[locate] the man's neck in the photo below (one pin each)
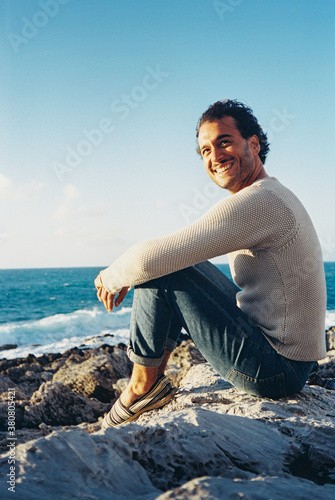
(259, 173)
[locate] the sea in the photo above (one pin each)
(53, 310)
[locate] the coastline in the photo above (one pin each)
(120, 335)
(57, 309)
(62, 398)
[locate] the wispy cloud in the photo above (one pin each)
(9, 192)
(70, 208)
(67, 206)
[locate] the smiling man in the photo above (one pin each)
(231, 161)
(264, 331)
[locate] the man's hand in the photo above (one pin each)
(107, 298)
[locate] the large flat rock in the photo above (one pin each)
(211, 442)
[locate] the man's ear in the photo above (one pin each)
(254, 144)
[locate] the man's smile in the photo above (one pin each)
(222, 167)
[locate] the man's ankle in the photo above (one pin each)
(162, 367)
(135, 390)
(142, 386)
(142, 379)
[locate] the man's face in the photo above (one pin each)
(230, 160)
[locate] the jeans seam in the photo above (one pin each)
(218, 305)
(293, 372)
(256, 380)
(134, 307)
(259, 384)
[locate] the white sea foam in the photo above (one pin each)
(89, 327)
(330, 318)
(63, 328)
(63, 345)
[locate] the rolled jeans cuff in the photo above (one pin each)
(170, 344)
(140, 360)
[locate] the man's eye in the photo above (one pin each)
(204, 152)
(224, 142)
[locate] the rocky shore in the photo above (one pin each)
(212, 441)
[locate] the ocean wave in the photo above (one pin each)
(63, 345)
(330, 318)
(56, 328)
(60, 332)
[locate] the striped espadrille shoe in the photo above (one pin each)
(159, 395)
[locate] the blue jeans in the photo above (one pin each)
(201, 300)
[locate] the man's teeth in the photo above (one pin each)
(223, 169)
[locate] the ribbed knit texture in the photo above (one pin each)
(274, 257)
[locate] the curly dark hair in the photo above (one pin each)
(246, 122)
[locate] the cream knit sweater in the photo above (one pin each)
(274, 257)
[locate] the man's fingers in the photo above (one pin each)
(100, 294)
(107, 298)
(97, 282)
(121, 296)
(109, 302)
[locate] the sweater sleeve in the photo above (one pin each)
(254, 218)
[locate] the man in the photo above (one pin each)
(262, 334)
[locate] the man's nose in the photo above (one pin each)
(217, 154)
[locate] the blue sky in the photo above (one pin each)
(99, 103)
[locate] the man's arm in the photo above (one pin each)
(248, 219)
